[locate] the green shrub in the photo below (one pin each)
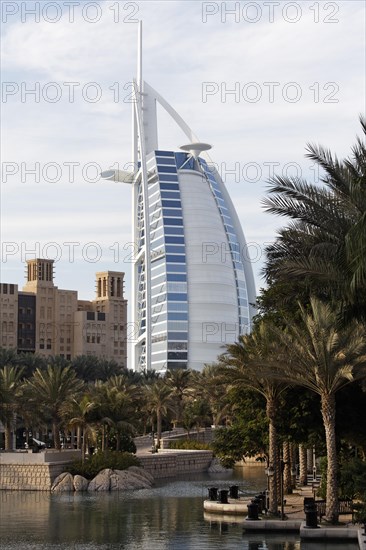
(92, 465)
(189, 444)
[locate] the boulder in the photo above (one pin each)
(142, 472)
(63, 483)
(102, 481)
(80, 483)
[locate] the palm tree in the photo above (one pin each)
(51, 388)
(323, 249)
(158, 397)
(10, 389)
(179, 380)
(77, 414)
(324, 359)
(248, 363)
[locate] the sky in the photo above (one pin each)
(257, 80)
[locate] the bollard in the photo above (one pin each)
(223, 496)
(234, 491)
(261, 498)
(252, 511)
(258, 502)
(311, 515)
(212, 493)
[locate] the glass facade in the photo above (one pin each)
(169, 297)
(169, 300)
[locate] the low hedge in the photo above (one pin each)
(92, 465)
(189, 444)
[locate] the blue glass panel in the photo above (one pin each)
(177, 297)
(170, 212)
(178, 316)
(169, 161)
(175, 249)
(180, 158)
(174, 240)
(172, 203)
(176, 277)
(172, 177)
(174, 231)
(178, 306)
(159, 153)
(166, 169)
(173, 221)
(176, 259)
(177, 336)
(169, 186)
(170, 194)
(171, 268)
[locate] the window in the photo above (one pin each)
(172, 221)
(48, 343)
(177, 213)
(169, 187)
(11, 289)
(41, 343)
(172, 203)
(101, 316)
(174, 240)
(166, 169)
(175, 249)
(90, 315)
(177, 259)
(5, 288)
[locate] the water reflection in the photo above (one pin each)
(169, 516)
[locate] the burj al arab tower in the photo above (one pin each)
(192, 284)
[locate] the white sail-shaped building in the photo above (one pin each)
(192, 285)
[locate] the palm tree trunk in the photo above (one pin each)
(78, 437)
(272, 457)
(293, 464)
(287, 485)
(303, 465)
(8, 437)
(56, 436)
(83, 445)
(159, 421)
(328, 407)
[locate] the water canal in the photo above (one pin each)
(167, 517)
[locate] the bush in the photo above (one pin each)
(100, 461)
(189, 445)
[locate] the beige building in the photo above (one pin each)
(50, 321)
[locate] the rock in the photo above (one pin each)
(131, 481)
(216, 468)
(142, 472)
(80, 483)
(102, 481)
(63, 483)
(140, 480)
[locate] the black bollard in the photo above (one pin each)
(223, 496)
(261, 501)
(311, 515)
(212, 493)
(252, 511)
(234, 491)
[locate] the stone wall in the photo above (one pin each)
(36, 472)
(33, 471)
(173, 463)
